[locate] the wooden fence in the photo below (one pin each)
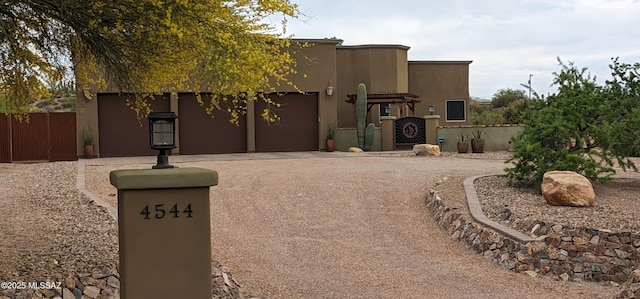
(49, 136)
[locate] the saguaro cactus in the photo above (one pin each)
(361, 113)
(368, 137)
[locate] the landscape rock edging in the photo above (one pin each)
(105, 284)
(559, 251)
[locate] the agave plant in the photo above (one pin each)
(463, 138)
(479, 134)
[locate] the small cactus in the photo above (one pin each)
(361, 114)
(368, 137)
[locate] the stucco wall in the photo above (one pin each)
(438, 81)
(348, 137)
(86, 117)
(382, 68)
(318, 64)
(496, 139)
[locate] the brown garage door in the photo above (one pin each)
(298, 128)
(120, 133)
(201, 134)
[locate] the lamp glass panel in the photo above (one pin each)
(162, 133)
(329, 90)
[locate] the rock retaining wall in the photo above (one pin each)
(96, 285)
(564, 252)
(106, 285)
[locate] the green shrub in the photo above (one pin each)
(583, 127)
(513, 113)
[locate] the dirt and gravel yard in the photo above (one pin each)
(616, 208)
(48, 229)
(351, 227)
(343, 226)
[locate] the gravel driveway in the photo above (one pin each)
(349, 227)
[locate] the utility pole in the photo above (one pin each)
(530, 75)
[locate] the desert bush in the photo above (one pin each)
(583, 127)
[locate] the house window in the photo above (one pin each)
(456, 110)
(385, 109)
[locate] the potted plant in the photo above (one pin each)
(477, 141)
(331, 142)
(463, 143)
(87, 141)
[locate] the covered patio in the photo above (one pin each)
(405, 101)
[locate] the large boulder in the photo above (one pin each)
(567, 188)
(426, 150)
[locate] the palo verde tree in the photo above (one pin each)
(144, 47)
(583, 127)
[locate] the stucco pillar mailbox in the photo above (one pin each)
(164, 231)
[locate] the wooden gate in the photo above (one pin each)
(409, 131)
(45, 137)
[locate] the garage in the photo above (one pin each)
(202, 134)
(298, 126)
(120, 133)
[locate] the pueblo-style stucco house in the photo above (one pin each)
(304, 117)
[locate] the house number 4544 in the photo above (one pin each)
(160, 211)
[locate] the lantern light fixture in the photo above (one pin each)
(162, 131)
(329, 89)
(432, 109)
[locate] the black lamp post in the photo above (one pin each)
(162, 130)
(432, 109)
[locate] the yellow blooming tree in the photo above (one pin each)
(145, 47)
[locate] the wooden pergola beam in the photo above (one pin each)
(406, 99)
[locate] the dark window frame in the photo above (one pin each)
(464, 111)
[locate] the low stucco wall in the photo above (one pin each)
(497, 138)
(348, 137)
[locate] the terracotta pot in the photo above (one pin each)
(88, 151)
(477, 145)
(331, 145)
(463, 147)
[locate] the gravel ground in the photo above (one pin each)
(353, 227)
(48, 229)
(617, 206)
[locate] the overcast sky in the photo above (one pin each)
(507, 40)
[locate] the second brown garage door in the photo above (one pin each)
(201, 134)
(298, 127)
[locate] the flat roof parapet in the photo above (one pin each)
(440, 61)
(374, 46)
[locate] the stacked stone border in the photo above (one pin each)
(105, 284)
(555, 250)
